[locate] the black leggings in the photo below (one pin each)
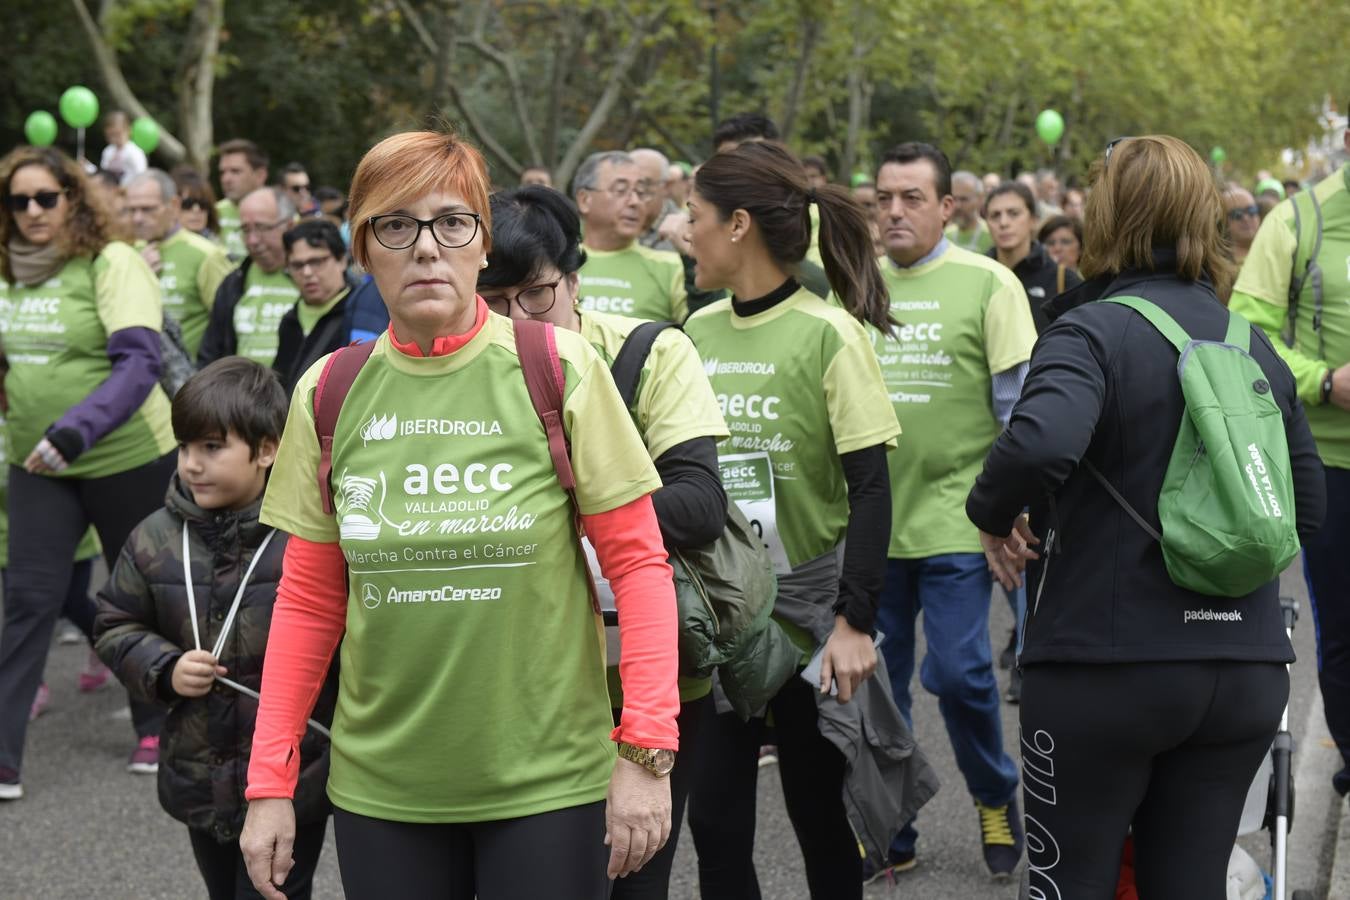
(222, 864)
(558, 854)
(1168, 749)
(722, 804)
(48, 517)
(652, 881)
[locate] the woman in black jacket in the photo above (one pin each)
(1010, 210)
(1145, 705)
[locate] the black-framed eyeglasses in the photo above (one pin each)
(620, 190)
(263, 228)
(298, 266)
(297, 188)
(397, 231)
(1111, 146)
(46, 199)
(534, 300)
(1241, 211)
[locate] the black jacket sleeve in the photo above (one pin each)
(1050, 431)
(691, 506)
(868, 538)
(220, 341)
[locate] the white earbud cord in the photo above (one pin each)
(229, 617)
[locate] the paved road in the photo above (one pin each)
(89, 829)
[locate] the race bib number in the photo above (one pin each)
(748, 480)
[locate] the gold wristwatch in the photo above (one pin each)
(658, 762)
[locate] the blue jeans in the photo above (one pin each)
(953, 593)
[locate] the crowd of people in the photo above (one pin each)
(372, 468)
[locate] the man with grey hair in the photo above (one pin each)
(967, 228)
(253, 299)
(190, 268)
(653, 165)
(620, 275)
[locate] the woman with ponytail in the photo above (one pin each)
(811, 423)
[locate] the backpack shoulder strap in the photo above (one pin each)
(1059, 279)
(335, 382)
(1310, 271)
(627, 368)
(1156, 317)
(544, 379)
(1120, 499)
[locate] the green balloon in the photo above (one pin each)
(145, 134)
(1218, 155)
(79, 107)
(40, 128)
(860, 178)
(1050, 126)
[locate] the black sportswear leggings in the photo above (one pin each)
(560, 855)
(722, 803)
(223, 870)
(652, 881)
(1168, 749)
(47, 518)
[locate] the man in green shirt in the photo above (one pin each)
(190, 268)
(954, 369)
(1295, 285)
(620, 275)
(252, 300)
(967, 228)
(243, 169)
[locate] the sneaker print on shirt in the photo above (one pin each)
(356, 520)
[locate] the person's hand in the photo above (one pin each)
(266, 842)
(1340, 387)
(675, 228)
(194, 673)
(150, 253)
(637, 817)
(1007, 556)
(45, 459)
(849, 659)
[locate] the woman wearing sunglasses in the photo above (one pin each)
(472, 744)
(197, 203)
(88, 433)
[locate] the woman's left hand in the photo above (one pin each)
(1007, 556)
(637, 817)
(849, 659)
(45, 459)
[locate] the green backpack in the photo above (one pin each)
(1227, 501)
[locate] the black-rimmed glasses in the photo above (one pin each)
(297, 267)
(534, 300)
(399, 232)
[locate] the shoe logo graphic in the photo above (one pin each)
(357, 521)
(370, 596)
(379, 428)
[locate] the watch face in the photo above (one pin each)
(664, 761)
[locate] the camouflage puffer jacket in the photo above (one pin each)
(143, 627)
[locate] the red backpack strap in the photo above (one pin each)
(335, 382)
(544, 379)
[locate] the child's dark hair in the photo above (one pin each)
(233, 394)
(769, 183)
(532, 227)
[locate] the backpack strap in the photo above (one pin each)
(1059, 280)
(627, 368)
(1156, 317)
(335, 382)
(1119, 498)
(542, 367)
(1311, 272)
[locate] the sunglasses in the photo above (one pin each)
(193, 203)
(46, 199)
(297, 188)
(1241, 211)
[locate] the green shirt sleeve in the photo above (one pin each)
(1308, 370)
(215, 266)
(676, 402)
(861, 414)
(293, 503)
(1009, 330)
(126, 290)
(679, 297)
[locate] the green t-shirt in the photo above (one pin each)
(472, 682)
(192, 268)
(976, 240)
(230, 234)
(265, 301)
(637, 282)
(799, 385)
(964, 317)
(674, 403)
(309, 316)
(56, 341)
(1261, 295)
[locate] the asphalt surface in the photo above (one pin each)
(87, 828)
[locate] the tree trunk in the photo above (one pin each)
(197, 80)
(170, 147)
(811, 29)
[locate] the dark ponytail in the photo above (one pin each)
(769, 183)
